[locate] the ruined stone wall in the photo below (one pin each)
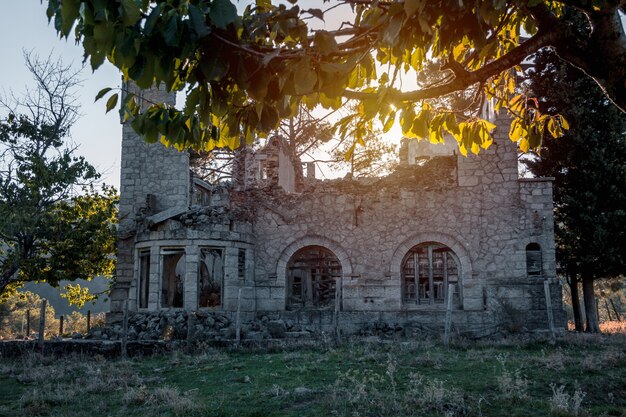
(476, 206)
(487, 218)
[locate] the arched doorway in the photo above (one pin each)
(427, 270)
(312, 274)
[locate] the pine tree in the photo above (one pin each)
(589, 167)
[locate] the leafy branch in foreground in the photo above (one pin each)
(244, 71)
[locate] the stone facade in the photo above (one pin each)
(337, 255)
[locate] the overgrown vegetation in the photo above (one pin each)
(56, 224)
(589, 167)
(580, 375)
(22, 306)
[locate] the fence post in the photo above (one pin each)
(27, 323)
(190, 331)
(42, 324)
(446, 334)
(546, 288)
(88, 321)
(238, 318)
(124, 330)
(608, 311)
(617, 314)
(61, 326)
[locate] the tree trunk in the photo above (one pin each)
(8, 276)
(590, 305)
(573, 286)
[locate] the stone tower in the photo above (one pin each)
(154, 179)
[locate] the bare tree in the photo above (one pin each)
(53, 224)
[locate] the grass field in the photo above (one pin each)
(578, 376)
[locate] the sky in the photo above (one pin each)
(24, 27)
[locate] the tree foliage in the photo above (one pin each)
(54, 224)
(589, 167)
(244, 71)
(13, 316)
(375, 157)
(302, 134)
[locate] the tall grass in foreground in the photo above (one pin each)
(581, 375)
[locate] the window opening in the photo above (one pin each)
(241, 264)
(144, 277)
(533, 260)
(427, 270)
(312, 275)
(211, 277)
(263, 169)
(173, 263)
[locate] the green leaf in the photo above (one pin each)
(269, 118)
(534, 137)
(132, 13)
(192, 101)
(263, 4)
(69, 13)
(211, 64)
(223, 13)
(515, 131)
(305, 77)
(348, 156)
(523, 145)
(411, 6)
(112, 102)
(389, 122)
(552, 128)
(170, 32)
(325, 42)
(102, 93)
(451, 124)
(197, 21)
(316, 13)
(406, 121)
(152, 19)
(421, 124)
(390, 36)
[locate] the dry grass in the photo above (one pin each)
(564, 404)
(64, 384)
(555, 360)
(613, 327)
(606, 327)
(579, 375)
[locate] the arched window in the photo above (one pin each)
(312, 273)
(427, 270)
(533, 260)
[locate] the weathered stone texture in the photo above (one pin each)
(476, 206)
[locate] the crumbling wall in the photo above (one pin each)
(475, 208)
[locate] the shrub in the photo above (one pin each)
(564, 404)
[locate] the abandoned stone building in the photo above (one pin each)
(290, 255)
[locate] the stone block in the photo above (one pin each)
(475, 304)
(263, 304)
